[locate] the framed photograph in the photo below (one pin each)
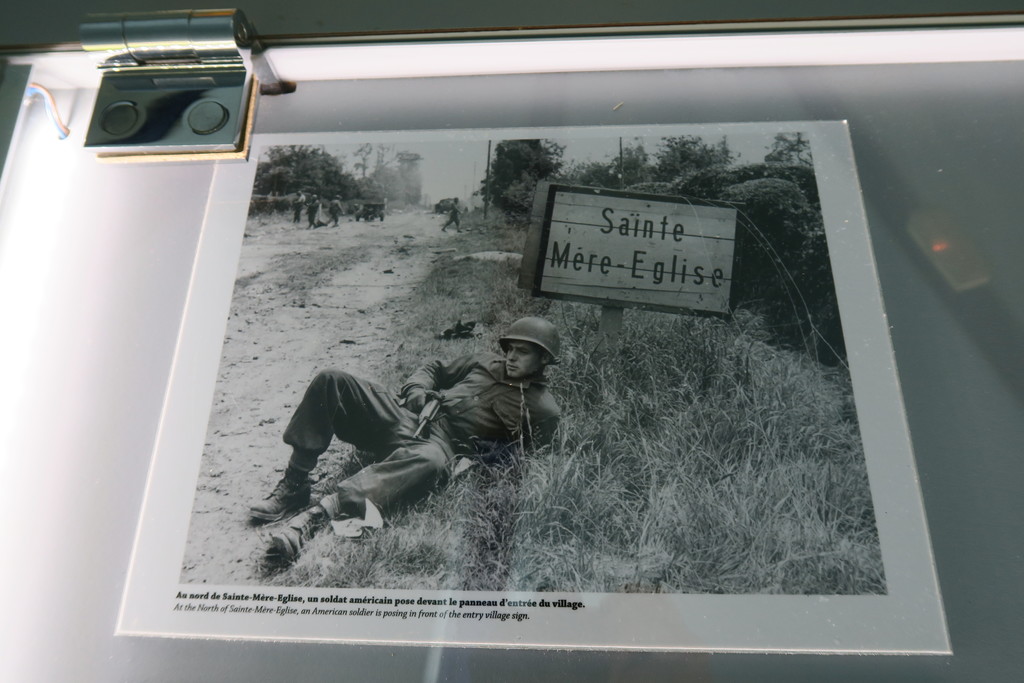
(610, 387)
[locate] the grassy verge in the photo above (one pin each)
(695, 458)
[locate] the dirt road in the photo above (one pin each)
(304, 300)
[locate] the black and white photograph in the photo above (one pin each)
(518, 387)
(394, 410)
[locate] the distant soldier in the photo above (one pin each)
(298, 204)
(313, 211)
(453, 217)
(334, 209)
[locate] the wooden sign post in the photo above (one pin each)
(623, 249)
(611, 326)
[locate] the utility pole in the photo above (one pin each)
(487, 181)
(622, 173)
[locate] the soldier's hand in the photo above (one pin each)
(417, 397)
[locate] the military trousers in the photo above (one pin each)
(367, 415)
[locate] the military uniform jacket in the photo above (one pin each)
(480, 401)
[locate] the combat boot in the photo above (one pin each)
(290, 495)
(287, 543)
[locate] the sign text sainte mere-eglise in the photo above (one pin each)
(627, 249)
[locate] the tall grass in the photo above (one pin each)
(693, 458)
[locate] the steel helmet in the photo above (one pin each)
(534, 330)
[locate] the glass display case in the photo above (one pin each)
(818, 459)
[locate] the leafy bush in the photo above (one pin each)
(516, 168)
(783, 268)
(711, 183)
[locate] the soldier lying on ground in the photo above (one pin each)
(497, 399)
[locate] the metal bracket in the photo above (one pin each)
(176, 84)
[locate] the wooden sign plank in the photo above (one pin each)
(629, 249)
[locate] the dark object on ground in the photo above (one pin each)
(461, 330)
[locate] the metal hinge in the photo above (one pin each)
(176, 84)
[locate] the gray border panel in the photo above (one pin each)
(56, 21)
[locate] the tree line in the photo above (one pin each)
(378, 173)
